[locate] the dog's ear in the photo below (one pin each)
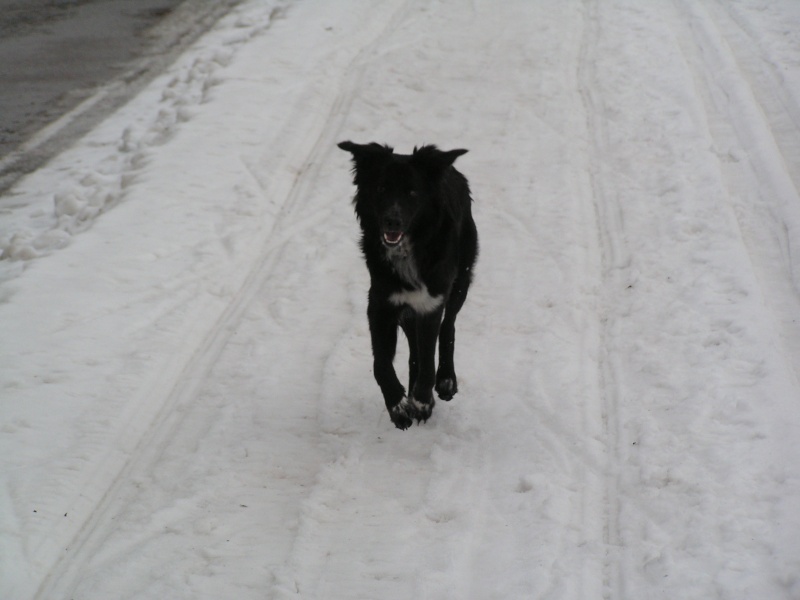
(367, 161)
(433, 160)
(365, 151)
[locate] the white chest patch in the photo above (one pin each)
(420, 300)
(402, 261)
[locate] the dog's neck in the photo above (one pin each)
(415, 294)
(401, 259)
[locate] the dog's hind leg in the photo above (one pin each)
(446, 381)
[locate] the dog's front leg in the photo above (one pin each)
(383, 323)
(427, 334)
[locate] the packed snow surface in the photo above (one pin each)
(188, 409)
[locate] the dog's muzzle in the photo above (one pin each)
(392, 238)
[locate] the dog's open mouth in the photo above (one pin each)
(392, 238)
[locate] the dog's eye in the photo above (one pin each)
(413, 194)
(381, 189)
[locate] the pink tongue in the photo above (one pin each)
(393, 236)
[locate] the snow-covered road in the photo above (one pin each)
(187, 408)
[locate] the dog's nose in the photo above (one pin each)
(392, 221)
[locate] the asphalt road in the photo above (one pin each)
(56, 54)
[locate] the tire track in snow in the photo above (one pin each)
(754, 124)
(687, 359)
(176, 389)
(614, 257)
(157, 396)
(770, 79)
(451, 509)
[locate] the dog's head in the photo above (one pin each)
(398, 192)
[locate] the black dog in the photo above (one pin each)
(420, 244)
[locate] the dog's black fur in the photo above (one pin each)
(420, 244)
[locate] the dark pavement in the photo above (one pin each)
(54, 54)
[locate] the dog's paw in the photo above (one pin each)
(446, 388)
(422, 410)
(409, 409)
(402, 414)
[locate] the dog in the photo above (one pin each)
(420, 245)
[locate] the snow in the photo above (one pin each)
(188, 409)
